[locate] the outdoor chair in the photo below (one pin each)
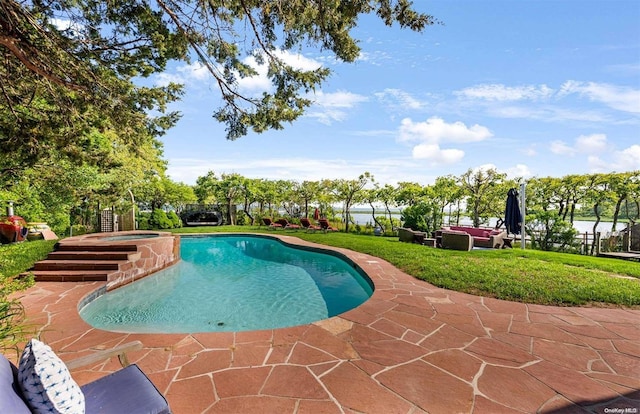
(270, 224)
(286, 225)
(42, 382)
(306, 224)
(325, 226)
(457, 240)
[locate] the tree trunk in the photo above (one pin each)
(617, 212)
(229, 215)
(373, 215)
(595, 226)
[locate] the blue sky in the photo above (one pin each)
(532, 88)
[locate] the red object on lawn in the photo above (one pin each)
(13, 229)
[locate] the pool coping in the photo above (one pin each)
(410, 348)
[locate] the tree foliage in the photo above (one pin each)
(84, 53)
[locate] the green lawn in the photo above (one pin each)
(529, 276)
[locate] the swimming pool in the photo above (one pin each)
(233, 283)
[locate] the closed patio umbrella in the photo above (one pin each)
(512, 215)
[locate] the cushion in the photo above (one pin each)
(10, 394)
(127, 391)
(46, 383)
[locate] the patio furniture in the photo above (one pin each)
(457, 240)
(306, 224)
(271, 224)
(411, 236)
(482, 237)
(286, 225)
(325, 226)
(125, 391)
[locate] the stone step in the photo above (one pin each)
(93, 255)
(101, 247)
(69, 275)
(80, 264)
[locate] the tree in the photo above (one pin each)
(309, 191)
(387, 195)
(350, 192)
(372, 196)
(56, 98)
(484, 193)
(71, 44)
(446, 191)
(622, 184)
(598, 192)
(408, 194)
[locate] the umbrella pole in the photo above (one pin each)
(523, 233)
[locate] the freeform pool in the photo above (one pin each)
(233, 283)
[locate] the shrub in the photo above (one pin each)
(175, 220)
(159, 220)
(143, 221)
(419, 217)
(242, 219)
(550, 233)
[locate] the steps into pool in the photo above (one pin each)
(116, 258)
(76, 263)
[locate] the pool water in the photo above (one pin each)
(233, 283)
(129, 237)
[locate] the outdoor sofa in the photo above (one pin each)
(481, 237)
(127, 390)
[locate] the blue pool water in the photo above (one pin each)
(129, 237)
(233, 283)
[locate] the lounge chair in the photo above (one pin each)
(306, 224)
(269, 223)
(325, 226)
(125, 391)
(286, 225)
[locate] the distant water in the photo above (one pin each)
(581, 226)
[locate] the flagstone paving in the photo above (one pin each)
(411, 348)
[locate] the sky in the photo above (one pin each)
(542, 88)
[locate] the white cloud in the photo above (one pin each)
(627, 159)
(519, 170)
(499, 92)
(340, 99)
(561, 148)
(330, 107)
(585, 144)
(597, 164)
(591, 144)
(399, 99)
(436, 130)
(436, 155)
(261, 82)
(617, 97)
(433, 132)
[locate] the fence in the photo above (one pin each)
(595, 243)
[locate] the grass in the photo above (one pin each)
(14, 260)
(530, 276)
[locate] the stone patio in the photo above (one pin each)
(411, 348)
